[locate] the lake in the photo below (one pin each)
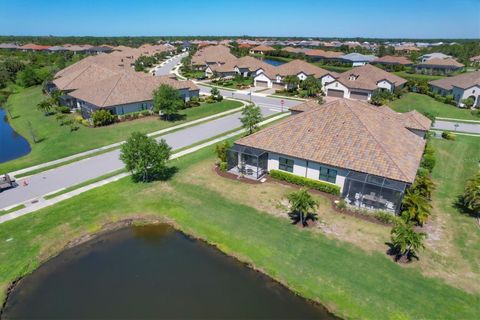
(273, 62)
(12, 145)
(152, 272)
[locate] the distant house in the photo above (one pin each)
(463, 86)
(434, 55)
(370, 153)
(33, 47)
(246, 67)
(57, 49)
(99, 49)
(361, 82)
(8, 46)
(261, 49)
(274, 77)
(358, 59)
(318, 54)
(406, 49)
(475, 60)
(439, 66)
(393, 60)
(212, 55)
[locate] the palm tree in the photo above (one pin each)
(291, 82)
(424, 186)
(301, 206)
(471, 194)
(406, 241)
(45, 106)
(415, 207)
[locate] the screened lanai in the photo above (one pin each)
(247, 161)
(373, 192)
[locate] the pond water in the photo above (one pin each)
(12, 145)
(273, 62)
(152, 272)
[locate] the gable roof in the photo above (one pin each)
(212, 54)
(262, 48)
(463, 81)
(367, 77)
(393, 60)
(323, 54)
(296, 67)
(357, 57)
(346, 134)
(438, 62)
(411, 120)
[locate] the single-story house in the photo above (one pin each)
(100, 49)
(462, 86)
(261, 49)
(294, 50)
(433, 55)
(57, 49)
(370, 155)
(33, 47)
(357, 59)
(406, 49)
(439, 66)
(245, 66)
(475, 60)
(212, 55)
(273, 77)
(9, 46)
(393, 61)
(361, 82)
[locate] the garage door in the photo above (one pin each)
(335, 93)
(279, 86)
(358, 95)
(259, 83)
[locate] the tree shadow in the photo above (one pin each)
(174, 117)
(39, 140)
(296, 218)
(459, 204)
(163, 175)
(397, 256)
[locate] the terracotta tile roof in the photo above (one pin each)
(367, 77)
(323, 54)
(475, 59)
(293, 50)
(438, 62)
(346, 134)
(212, 54)
(32, 46)
(306, 106)
(463, 81)
(296, 67)
(410, 120)
(393, 60)
(263, 48)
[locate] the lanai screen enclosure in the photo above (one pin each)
(247, 161)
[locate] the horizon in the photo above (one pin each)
(147, 18)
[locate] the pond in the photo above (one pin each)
(273, 62)
(12, 145)
(152, 272)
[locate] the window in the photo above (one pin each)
(329, 175)
(285, 164)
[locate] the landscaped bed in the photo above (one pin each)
(58, 141)
(341, 263)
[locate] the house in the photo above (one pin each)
(404, 49)
(434, 55)
(57, 49)
(8, 46)
(33, 47)
(100, 49)
(369, 154)
(246, 67)
(273, 77)
(261, 49)
(358, 59)
(475, 60)
(317, 54)
(389, 61)
(361, 82)
(294, 50)
(439, 66)
(212, 55)
(462, 86)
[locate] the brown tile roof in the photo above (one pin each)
(296, 67)
(410, 120)
(406, 48)
(293, 50)
(463, 81)
(32, 46)
(346, 134)
(393, 60)
(367, 77)
(212, 54)
(323, 53)
(475, 59)
(262, 48)
(438, 62)
(306, 106)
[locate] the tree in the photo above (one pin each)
(102, 118)
(251, 117)
(144, 157)
(415, 207)
(291, 81)
(471, 194)
(45, 106)
(469, 102)
(381, 50)
(167, 101)
(406, 242)
(221, 150)
(301, 206)
(216, 94)
(28, 77)
(312, 86)
(4, 77)
(423, 184)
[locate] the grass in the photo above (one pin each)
(328, 67)
(425, 104)
(58, 142)
(350, 281)
(417, 76)
(16, 208)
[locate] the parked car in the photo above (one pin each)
(6, 182)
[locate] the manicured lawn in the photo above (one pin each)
(425, 104)
(338, 69)
(59, 142)
(350, 281)
(417, 76)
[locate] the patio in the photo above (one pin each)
(247, 162)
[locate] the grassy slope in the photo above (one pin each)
(60, 142)
(424, 103)
(348, 280)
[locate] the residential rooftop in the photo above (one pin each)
(463, 81)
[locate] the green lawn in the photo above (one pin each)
(423, 103)
(59, 142)
(338, 69)
(417, 76)
(352, 282)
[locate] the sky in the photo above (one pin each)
(303, 18)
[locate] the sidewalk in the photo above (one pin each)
(42, 203)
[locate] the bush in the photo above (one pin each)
(428, 162)
(85, 122)
(386, 217)
(447, 135)
(223, 166)
(103, 118)
(306, 182)
(78, 119)
(62, 109)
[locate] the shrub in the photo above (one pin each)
(78, 119)
(386, 217)
(85, 122)
(103, 118)
(223, 166)
(62, 109)
(342, 205)
(306, 182)
(428, 162)
(447, 135)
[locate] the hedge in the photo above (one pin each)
(305, 182)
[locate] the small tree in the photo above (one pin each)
(415, 207)
(301, 206)
(167, 101)
(216, 94)
(144, 157)
(221, 150)
(44, 106)
(291, 81)
(406, 242)
(471, 194)
(251, 117)
(102, 118)
(468, 102)
(312, 86)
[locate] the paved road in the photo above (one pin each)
(457, 126)
(167, 67)
(83, 170)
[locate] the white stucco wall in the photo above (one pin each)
(262, 77)
(335, 85)
(460, 94)
(326, 79)
(384, 84)
(307, 169)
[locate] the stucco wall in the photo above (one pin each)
(384, 84)
(460, 94)
(262, 77)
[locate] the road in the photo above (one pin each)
(72, 174)
(168, 66)
(457, 126)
